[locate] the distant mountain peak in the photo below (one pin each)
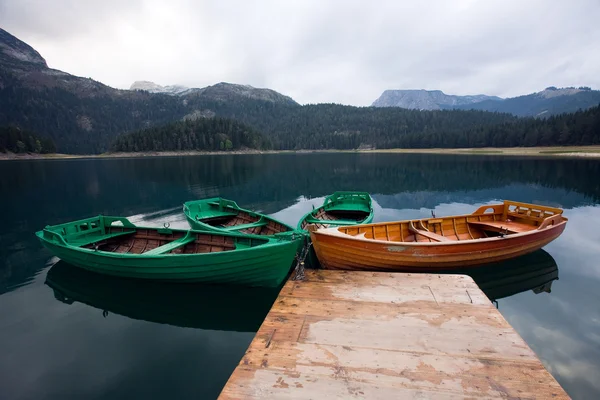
(550, 101)
(221, 91)
(224, 90)
(421, 99)
(553, 91)
(155, 88)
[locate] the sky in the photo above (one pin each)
(336, 51)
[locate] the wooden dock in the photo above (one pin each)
(395, 336)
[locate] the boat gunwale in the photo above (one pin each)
(187, 212)
(270, 241)
(334, 232)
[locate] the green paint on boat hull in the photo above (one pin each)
(265, 262)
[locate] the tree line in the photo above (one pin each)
(208, 134)
(16, 140)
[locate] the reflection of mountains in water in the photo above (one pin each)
(535, 271)
(252, 179)
(224, 308)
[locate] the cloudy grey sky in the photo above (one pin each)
(341, 51)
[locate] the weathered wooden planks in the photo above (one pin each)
(380, 335)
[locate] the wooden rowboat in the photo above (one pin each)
(115, 246)
(492, 233)
(222, 215)
(191, 305)
(340, 208)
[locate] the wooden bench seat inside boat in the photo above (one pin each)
(503, 226)
(428, 234)
(165, 248)
(245, 226)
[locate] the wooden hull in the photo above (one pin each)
(187, 305)
(337, 250)
(209, 257)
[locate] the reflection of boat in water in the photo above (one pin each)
(214, 307)
(535, 271)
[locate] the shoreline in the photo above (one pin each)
(552, 151)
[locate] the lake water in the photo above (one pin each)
(69, 334)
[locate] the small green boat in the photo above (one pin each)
(115, 246)
(222, 215)
(340, 209)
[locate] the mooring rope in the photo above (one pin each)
(299, 269)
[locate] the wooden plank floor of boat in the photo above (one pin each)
(342, 335)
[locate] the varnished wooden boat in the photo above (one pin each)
(190, 305)
(340, 208)
(222, 215)
(492, 233)
(115, 246)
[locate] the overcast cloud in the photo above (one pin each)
(319, 51)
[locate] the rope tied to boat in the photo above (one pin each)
(299, 269)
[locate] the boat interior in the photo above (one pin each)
(501, 220)
(334, 217)
(126, 238)
(225, 214)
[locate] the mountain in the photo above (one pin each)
(82, 115)
(551, 101)
(15, 54)
(427, 99)
(222, 91)
(228, 91)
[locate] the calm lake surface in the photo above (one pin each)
(70, 334)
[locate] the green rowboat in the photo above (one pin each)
(340, 209)
(115, 246)
(222, 215)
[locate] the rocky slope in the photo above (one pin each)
(222, 91)
(426, 99)
(155, 88)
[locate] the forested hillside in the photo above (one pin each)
(17, 140)
(211, 134)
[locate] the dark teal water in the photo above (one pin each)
(69, 334)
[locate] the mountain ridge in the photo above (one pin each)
(550, 101)
(421, 99)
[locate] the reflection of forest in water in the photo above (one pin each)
(279, 180)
